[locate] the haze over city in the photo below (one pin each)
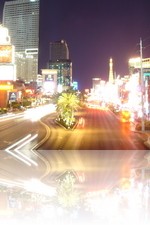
(95, 31)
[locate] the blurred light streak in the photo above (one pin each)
(38, 113)
(26, 142)
(10, 117)
(18, 142)
(18, 157)
(20, 153)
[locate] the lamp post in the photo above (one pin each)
(142, 86)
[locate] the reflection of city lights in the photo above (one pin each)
(38, 187)
(124, 204)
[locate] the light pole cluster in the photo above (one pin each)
(142, 86)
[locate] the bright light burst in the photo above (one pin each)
(37, 113)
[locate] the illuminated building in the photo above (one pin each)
(7, 62)
(96, 83)
(59, 51)
(49, 81)
(7, 67)
(135, 67)
(21, 17)
(59, 60)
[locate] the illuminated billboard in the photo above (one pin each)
(136, 63)
(50, 80)
(7, 72)
(49, 71)
(6, 54)
(6, 87)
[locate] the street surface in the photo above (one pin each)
(98, 129)
(23, 130)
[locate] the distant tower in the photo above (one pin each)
(59, 60)
(59, 51)
(111, 77)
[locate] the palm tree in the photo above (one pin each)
(67, 104)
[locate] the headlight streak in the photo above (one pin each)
(22, 156)
(18, 142)
(38, 113)
(11, 117)
(26, 142)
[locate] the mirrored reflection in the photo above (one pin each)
(76, 187)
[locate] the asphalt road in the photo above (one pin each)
(16, 126)
(98, 129)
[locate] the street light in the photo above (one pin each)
(142, 86)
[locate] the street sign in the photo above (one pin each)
(146, 74)
(12, 96)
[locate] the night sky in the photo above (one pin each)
(95, 30)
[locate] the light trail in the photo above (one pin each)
(26, 142)
(10, 117)
(18, 142)
(22, 156)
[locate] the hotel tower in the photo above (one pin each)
(21, 17)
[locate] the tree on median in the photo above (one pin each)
(67, 104)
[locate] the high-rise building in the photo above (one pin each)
(59, 51)
(21, 17)
(59, 60)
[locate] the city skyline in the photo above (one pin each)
(95, 32)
